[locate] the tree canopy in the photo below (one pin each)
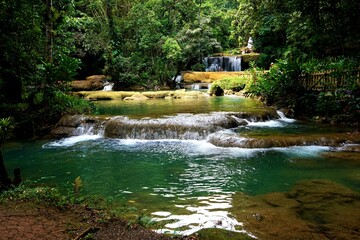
(45, 44)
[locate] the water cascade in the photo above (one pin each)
(108, 86)
(186, 169)
(223, 63)
(200, 86)
(221, 129)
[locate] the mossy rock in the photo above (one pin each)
(234, 84)
(249, 57)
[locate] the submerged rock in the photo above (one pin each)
(313, 209)
(285, 140)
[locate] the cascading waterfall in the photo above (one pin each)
(221, 129)
(225, 63)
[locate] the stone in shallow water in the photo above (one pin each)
(313, 209)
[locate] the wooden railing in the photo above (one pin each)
(329, 80)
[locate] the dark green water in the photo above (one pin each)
(184, 179)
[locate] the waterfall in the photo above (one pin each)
(284, 118)
(220, 129)
(235, 64)
(108, 86)
(226, 63)
(195, 86)
(178, 79)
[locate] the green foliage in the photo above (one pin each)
(6, 126)
(62, 103)
(47, 107)
(280, 85)
(298, 30)
(146, 221)
(157, 39)
(230, 83)
(47, 195)
(148, 42)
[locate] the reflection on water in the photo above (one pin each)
(161, 107)
(175, 174)
(186, 184)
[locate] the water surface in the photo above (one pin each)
(190, 182)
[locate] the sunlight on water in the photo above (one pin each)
(185, 183)
(212, 213)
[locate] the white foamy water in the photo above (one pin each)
(270, 123)
(191, 148)
(108, 86)
(303, 150)
(71, 141)
(284, 118)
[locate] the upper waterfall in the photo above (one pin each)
(223, 63)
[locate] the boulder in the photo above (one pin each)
(91, 83)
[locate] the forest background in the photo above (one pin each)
(46, 44)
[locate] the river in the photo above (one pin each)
(185, 169)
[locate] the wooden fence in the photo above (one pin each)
(330, 80)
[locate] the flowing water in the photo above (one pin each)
(168, 158)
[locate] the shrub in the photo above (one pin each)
(279, 85)
(229, 83)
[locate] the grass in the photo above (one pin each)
(220, 234)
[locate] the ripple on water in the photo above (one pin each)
(209, 212)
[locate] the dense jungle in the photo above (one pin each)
(302, 56)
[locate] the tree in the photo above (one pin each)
(21, 46)
(6, 126)
(299, 29)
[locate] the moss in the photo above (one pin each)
(220, 234)
(249, 57)
(235, 84)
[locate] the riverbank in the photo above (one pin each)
(25, 220)
(37, 213)
(312, 209)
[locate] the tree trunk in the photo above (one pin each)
(49, 32)
(5, 181)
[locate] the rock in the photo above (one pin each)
(137, 97)
(68, 125)
(91, 83)
(313, 209)
(71, 121)
(258, 216)
(62, 131)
